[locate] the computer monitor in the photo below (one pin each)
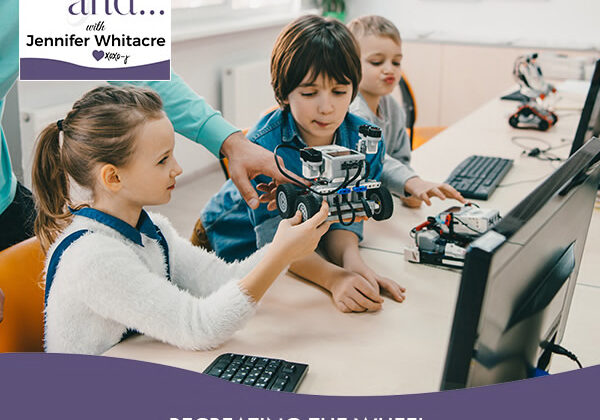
(589, 123)
(518, 279)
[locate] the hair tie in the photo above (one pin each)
(59, 124)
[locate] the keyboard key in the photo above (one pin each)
(262, 380)
(288, 368)
(274, 364)
(227, 376)
(239, 375)
(262, 362)
(250, 380)
(216, 371)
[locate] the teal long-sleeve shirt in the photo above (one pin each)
(189, 113)
(9, 68)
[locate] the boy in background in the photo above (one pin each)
(381, 58)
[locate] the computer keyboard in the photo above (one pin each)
(478, 176)
(259, 372)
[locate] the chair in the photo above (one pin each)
(21, 279)
(418, 135)
(225, 162)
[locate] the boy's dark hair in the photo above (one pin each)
(374, 25)
(317, 46)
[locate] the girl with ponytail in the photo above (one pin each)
(112, 269)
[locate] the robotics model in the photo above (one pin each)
(535, 113)
(340, 176)
(442, 240)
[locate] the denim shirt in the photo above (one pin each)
(236, 231)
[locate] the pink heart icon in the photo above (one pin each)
(98, 54)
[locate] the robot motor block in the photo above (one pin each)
(340, 176)
(443, 239)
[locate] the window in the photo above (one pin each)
(192, 18)
(228, 5)
(181, 4)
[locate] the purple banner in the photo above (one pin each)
(46, 69)
(57, 386)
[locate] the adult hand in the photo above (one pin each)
(424, 190)
(248, 160)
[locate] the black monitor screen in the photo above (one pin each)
(518, 279)
(589, 123)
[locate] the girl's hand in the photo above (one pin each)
(295, 240)
(351, 292)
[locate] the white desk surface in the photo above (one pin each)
(402, 348)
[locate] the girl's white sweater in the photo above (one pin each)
(106, 283)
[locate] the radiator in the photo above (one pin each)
(33, 121)
(246, 92)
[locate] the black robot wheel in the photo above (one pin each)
(383, 199)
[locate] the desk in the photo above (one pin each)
(402, 348)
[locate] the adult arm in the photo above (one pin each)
(193, 118)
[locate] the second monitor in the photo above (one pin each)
(518, 279)
(589, 123)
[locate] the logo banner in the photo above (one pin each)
(95, 39)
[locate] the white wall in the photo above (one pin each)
(556, 24)
(460, 54)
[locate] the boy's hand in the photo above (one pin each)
(383, 283)
(351, 292)
(424, 190)
(411, 202)
(269, 191)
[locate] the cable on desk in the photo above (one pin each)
(540, 154)
(535, 152)
(522, 182)
(381, 250)
(567, 114)
(557, 349)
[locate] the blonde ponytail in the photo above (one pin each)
(50, 187)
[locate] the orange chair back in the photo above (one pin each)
(225, 162)
(418, 135)
(21, 268)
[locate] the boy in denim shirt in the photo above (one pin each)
(315, 72)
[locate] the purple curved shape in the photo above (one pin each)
(46, 69)
(40, 385)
